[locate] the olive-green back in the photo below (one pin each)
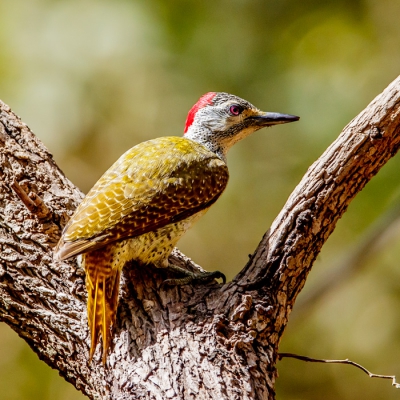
(155, 183)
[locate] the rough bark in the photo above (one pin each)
(205, 341)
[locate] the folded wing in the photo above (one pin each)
(155, 183)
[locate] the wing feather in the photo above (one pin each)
(155, 183)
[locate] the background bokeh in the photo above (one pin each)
(92, 78)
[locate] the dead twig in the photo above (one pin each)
(346, 361)
(32, 201)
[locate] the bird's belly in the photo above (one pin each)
(155, 247)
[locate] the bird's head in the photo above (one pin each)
(219, 120)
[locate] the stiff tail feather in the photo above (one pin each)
(102, 283)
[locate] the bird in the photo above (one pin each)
(146, 201)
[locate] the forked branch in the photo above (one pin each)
(204, 342)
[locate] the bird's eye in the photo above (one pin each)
(235, 109)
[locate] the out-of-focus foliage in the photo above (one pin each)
(94, 77)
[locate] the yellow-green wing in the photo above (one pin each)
(155, 183)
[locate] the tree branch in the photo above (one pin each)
(206, 341)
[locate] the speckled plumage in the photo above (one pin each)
(149, 198)
(155, 183)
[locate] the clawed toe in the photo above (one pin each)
(192, 277)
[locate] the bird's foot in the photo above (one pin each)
(191, 277)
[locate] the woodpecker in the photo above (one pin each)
(150, 197)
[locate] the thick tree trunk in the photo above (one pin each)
(207, 341)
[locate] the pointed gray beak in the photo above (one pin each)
(271, 118)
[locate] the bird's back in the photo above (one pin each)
(153, 184)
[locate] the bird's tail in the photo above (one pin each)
(102, 283)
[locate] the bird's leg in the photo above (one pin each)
(192, 276)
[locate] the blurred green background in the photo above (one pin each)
(92, 78)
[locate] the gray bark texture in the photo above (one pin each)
(207, 341)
